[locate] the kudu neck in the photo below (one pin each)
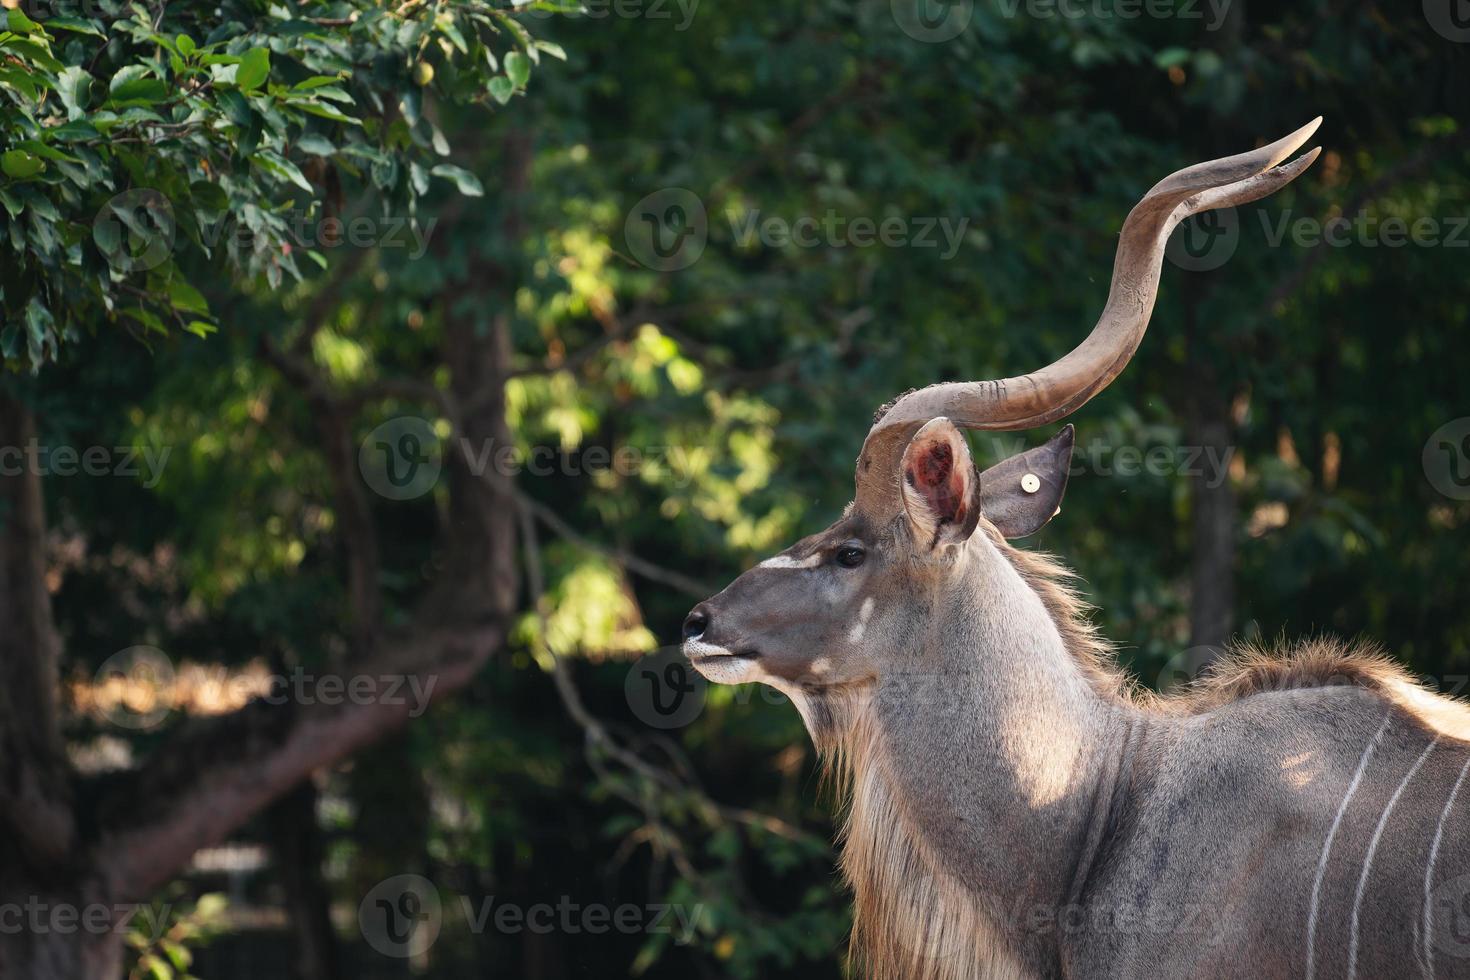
(993, 748)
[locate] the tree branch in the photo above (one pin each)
(358, 535)
(215, 773)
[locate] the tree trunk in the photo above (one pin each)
(1212, 532)
(54, 919)
(59, 935)
(297, 847)
(33, 766)
(1212, 571)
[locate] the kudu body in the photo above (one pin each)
(1015, 806)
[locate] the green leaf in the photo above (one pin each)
(201, 328)
(130, 85)
(149, 319)
(450, 29)
(327, 112)
(333, 93)
(316, 145)
(518, 68)
(39, 335)
(42, 150)
(36, 52)
(255, 68)
(186, 45)
(22, 81)
(73, 86)
(1169, 57)
(553, 49)
(501, 89)
(209, 196)
(237, 110)
(315, 81)
(185, 297)
(40, 205)
(21, 165)
(77, 25)
(278, 166)
(18, 22)
(78, 130)
(108, 236)
(468, 183)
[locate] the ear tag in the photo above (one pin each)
(1022, 493)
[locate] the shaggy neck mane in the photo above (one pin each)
(911, 919)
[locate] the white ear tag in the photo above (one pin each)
(1030, 483)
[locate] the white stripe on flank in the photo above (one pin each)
(1372, 850)
(1429, 874)
(783, 561)
(1327, 845)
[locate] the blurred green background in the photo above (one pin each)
(1287, 454)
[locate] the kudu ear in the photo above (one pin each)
(941, 488)
(1019, 495)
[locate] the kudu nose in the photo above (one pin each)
(696, 622)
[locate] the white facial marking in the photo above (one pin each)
(716, 664)
(699, 648)
(855, 634)
(786, 561)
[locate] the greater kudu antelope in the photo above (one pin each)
(1017, 808)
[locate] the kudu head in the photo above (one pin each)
(829, 612)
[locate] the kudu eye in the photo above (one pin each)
(850, 556)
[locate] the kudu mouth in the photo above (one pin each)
(1062, 387)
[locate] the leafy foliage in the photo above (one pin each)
(143, 143)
